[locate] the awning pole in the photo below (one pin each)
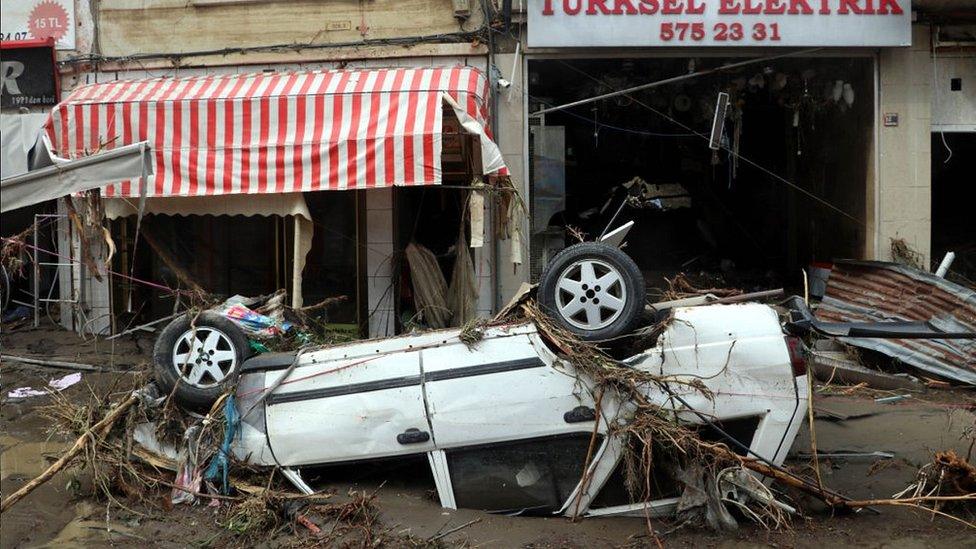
(297, 261)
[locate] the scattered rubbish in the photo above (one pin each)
(17, 313)
(819, 274)
(847, 455)
(53, 363)
(830, 415)
(870, 291)
(945, 265)
(446, 533)
(950, 476)
(712, 299)
(832, 366)
(891, 399)
(53, 385)
(429, 286)
(254, 324)
(741, 487)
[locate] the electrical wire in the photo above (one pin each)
(752, 163)
(453, 37)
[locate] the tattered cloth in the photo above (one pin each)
(279, 132)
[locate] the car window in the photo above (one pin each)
(534, 476)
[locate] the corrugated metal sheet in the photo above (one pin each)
(870, 291)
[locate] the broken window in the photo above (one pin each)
(533, 476)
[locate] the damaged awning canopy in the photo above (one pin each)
(279, 132)
(52, 176)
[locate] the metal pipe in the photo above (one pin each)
(946, 263)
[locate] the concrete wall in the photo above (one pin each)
(127, 27)
(904, 207)
(954, 111)
(510, 136)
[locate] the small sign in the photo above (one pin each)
(28, 73)
(338, 25)
(890, 119)
(39, 20)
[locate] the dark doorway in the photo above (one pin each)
(953, 199)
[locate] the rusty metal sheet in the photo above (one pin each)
(873, 291)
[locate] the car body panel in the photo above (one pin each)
(344, 409)
(508, 385)
(350, 402)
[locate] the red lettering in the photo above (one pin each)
(749, 9)
(672, 7)
(824, 7)
(547, 8)
(595, 4)
(885, 5)
(774, 7)
(623, 6)
(730, 7)
(572, 10)
(848, 6)
(649, 7)
(795, 7)
(693, 9)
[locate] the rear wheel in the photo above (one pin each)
(200, 356)
(593, 290)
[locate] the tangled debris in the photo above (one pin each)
(717, 483)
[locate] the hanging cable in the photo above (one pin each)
(729, 150)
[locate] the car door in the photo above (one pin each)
(513, 427)
(353, 402)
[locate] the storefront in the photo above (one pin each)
(28, 86)
(790, 176)
(241, 201)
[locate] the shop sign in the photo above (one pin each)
(719, 23)
(39, 20)
(28, 74)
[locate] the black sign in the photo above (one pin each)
(28, 74)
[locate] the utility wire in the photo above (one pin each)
(726, 148)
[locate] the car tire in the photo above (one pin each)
(197, 357)
(593, 290)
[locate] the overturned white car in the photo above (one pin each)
(506, 424)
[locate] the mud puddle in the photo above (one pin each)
(23, 460)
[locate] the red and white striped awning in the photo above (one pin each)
(279, 132)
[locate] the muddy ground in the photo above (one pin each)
(62, 512)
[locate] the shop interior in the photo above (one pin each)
(788, 186)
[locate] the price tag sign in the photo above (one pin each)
(718, 23)
(39, 20)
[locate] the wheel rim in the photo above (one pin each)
(590, 294)
(204, 357)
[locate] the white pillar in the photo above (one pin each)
(379, 262)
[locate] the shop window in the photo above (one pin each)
(533, 476)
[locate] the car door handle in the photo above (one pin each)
(413, 436)
(580, 414)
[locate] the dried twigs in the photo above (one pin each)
(97, 431)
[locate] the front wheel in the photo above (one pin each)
(198, 357)
(593, 290)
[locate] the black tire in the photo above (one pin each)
(231, 346)
(614, 319)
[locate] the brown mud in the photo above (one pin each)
(61, 513)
